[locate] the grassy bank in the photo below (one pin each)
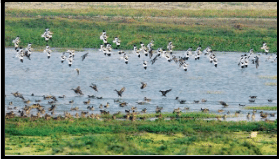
(161, 137)
(81, 29)
(261, 107)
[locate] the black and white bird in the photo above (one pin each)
(198, 53)
(207, 50)
(70, 61)
(48, 51)
(188, 53)
(215, 61)
(245, 61)
(104, 34)
(185, 66)
(63, 57)
(71, 53)
(20, 54)
(47, 35)
(265, 48)
(136, 51)
(117, 42)
(170, 47)
(16, 42)
(108, 50)
(28, 51)
(126, 58)
(144, 64)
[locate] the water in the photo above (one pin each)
(228, 82)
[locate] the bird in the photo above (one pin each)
(196, 101)
(253, 97)
(215, 61)
(90, 108)
(144, 64)
(263, 115)
(248, 116)
(143, 85)
(242, 105)
(253, 116)
(63, 57)
(77, 70)
(146, 99)
(120, 91)
(70, 61)
(63, 96)
(94, 87)
(252, 100)
(83, 56)
(87, 102)
(77, 90)
(16, 42)
(123, 104)
(269, 100)
(48, 51)
(154, 59)
(117, 42)
(257, 61)
(223, 103)
(165, 92)
(265, 48)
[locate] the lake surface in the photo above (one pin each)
(228, 82)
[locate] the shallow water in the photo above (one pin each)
(228, 82)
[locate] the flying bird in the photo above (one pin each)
(165, 92)
(83, 56)
(77, 90)
(94, 86)
(143, 85)
(120, 91)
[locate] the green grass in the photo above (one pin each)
(177, 137)
(84, 32)
(261, 107)
(206, 13)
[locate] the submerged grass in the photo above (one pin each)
(85, 32)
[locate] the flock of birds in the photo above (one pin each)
(147, 51)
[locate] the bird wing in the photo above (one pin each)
(122, 89)
(83, 56)
(168, 90)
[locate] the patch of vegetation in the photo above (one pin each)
(84, 32)
(261, 107)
